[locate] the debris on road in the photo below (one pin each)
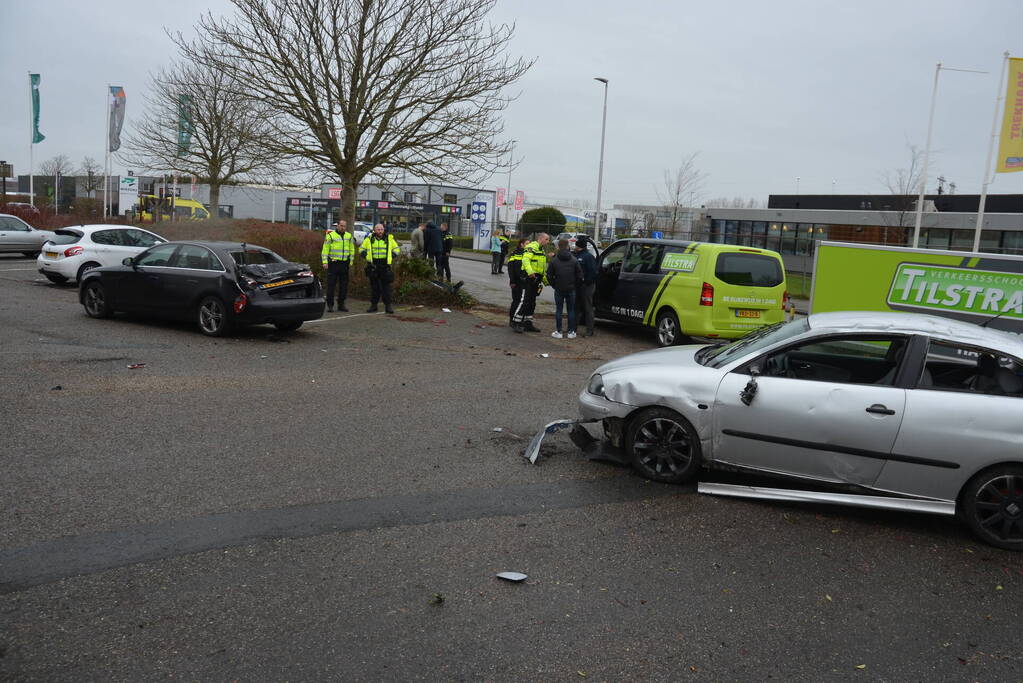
(136, 366)
(56, 388)
(446, 310)
(515, 577)
(543, 355)
(437, 599)
(533, 449)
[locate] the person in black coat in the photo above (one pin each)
(515, 276)
(584, 292)
(564, 274)
(434, 244)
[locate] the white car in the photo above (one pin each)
(17, 235)
(80, 248)
(360, 231)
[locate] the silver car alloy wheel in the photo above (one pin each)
(999, 507)
(665, 446)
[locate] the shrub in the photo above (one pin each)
(540, 219)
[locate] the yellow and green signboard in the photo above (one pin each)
(965, 286)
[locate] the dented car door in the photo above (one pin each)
(824, 409)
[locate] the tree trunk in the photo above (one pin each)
(214, 199)
(349, 195)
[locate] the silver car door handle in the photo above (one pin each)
(879, 409)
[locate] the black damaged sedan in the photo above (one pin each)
(217, 284)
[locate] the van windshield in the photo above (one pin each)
(751, 270)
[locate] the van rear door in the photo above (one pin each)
(749, 286)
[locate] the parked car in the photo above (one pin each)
(71, 252)
(923, 412)
(219, 285)
(17, 235)
(360, 230)
(572, 237)
(21, 210)
(690, 289)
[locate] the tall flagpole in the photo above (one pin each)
(106, 159)
(31, 143)
(990, 152)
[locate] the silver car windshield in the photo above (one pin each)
(754, 341)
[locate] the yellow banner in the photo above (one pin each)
(1010, 149)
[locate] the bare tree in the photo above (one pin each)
(90, 175)
(371, 87)
(678, 192)
(733, 203)
(58, 164)
(224, 132)
(903, 185)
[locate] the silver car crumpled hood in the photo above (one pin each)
(669, 377)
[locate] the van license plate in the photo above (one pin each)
(746, 313)
(277, 284)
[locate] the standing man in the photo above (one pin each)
(417, 242)
(449, 242)
(534, 270)
(379, 251)
(515, 278)
(504, 250)
(564, 274)
(584, 293)
(337, 254)
(434, 246)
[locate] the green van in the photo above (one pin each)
(687, 289)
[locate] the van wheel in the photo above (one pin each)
(669, 332)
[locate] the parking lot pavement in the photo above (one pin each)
(335, 503)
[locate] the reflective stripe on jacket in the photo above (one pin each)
(338, 247)
(534, 260)
(385, 247)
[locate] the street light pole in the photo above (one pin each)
(507, 195)
(600, 169)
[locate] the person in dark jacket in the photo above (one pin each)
(515, 277)
(584, 292)
(564, 274)
(434, 244)
(449, 242)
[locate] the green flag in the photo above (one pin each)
(185, 124)
(36, 135)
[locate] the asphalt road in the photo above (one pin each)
(334, 505)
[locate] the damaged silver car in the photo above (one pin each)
(915, 411)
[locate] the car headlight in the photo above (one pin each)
(596, 385)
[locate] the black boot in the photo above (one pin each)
(341, 307)
(372, 309)
(388, 309)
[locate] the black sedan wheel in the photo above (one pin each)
(993, 506)
(663, 446)
(213, 320)
(288, 326)
(669, 332)
(94, 299)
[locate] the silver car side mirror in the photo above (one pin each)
(750, 390)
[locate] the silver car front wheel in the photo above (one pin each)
(663, 446)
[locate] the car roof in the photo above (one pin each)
(93, 227)
(213, 244)
(918, 323)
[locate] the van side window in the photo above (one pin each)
(954, 367)
(644, 258)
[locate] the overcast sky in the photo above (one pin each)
(765, 92)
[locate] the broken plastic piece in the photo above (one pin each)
(446, 310)
(543, 355)
(497, 429)
(533, 449)
(58, 388)
(512, 576)
(136, 366)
